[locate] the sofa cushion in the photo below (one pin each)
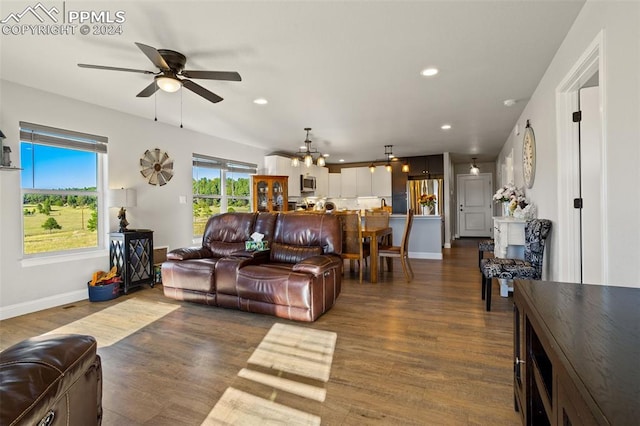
(227, 232)
(299, 236)
(193, 274)
(274, 285)
(287, 253)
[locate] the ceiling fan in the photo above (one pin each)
(171, 65)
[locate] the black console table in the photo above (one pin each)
(577, 354)
(132, 253)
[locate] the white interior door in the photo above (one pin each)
(591, 187)
(475, 205)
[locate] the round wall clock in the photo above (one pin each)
(156, 167)
(529, 156)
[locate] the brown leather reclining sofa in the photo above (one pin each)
(298, 278)
(51, 380)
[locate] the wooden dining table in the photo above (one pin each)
(374, 233)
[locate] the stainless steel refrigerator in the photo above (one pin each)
(415, 188)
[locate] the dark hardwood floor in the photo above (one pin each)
(419, 353)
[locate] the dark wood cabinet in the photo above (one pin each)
(576, 352)
(270, 193)
(132, 253)
(426, 166)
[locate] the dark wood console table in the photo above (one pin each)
(132, 253)
(577, 354)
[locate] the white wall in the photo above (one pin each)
(27, 288)
(620, 22)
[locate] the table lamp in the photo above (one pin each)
(122, 198)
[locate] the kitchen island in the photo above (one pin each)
(425, 240)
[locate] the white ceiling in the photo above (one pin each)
(350, 70)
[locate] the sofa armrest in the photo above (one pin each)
(317, 265)
(189, 253)
(261, 255)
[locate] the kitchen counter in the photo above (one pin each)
(425, 240)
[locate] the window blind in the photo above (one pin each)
(220, 163)
(45, 135)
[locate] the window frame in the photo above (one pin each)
(225, 166)
(37, 134)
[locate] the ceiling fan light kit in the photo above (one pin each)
(168, 84)
(172, 75)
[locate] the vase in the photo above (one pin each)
(427, 210)
(506, 211)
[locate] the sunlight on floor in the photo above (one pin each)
(299, 351)
(117, 322)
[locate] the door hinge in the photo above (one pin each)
(577, 116)
(577, 203)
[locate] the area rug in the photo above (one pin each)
(116, 322)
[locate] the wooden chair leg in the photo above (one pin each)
(361, 267)
(483, 281)
(480, 256)
(404, 269)
(410, 268)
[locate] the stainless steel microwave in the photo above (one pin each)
(307, 183)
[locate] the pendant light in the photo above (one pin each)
(389, 154)
(474, 169)
(307, 153)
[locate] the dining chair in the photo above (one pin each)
(536, 232)
(376, 219)
(352, 246)
(485, 246)
(401, 251)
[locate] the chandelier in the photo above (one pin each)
(389, 154)
(307, 154)
(474, 169)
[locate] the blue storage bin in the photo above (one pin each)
(101, 293)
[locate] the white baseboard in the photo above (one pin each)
(425, 255)
(447, 245)
(40, 304)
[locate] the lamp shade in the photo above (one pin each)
(122, 197)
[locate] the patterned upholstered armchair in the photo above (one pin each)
(536, 232)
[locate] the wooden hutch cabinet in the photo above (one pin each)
(576, 352)
(269, 193)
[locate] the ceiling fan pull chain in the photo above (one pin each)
(155, 104)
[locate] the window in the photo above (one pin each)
(211, 197)
(61, 189)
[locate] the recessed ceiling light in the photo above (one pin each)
(509, 102)
(325, 155)
(445, 126)
(429, 72)
(341, 160)
(260, 101)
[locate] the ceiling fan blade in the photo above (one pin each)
(148, 91)
(166, 176)
(213, 75)
(154, 56)
(168, 166)
(102, 67)
(199, 90)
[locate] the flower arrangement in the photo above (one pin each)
(428, 200)
(509, 193)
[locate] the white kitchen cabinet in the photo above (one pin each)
(281, 166)
(363, 182)
(335, 181)
(348, 182)
(381, 182)
(322, 181)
